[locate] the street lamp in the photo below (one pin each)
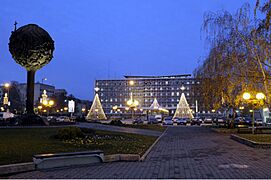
(6, 98)
(43, 79)
(259, 97)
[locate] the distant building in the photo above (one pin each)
(38, 90)
(166, 89)
(17, 97)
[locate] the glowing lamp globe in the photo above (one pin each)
(129, 102)
(136, 103)
(246, 96)
(260, 96)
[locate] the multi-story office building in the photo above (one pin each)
(166, 89)
(38, 91)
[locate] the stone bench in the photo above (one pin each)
(46, 161)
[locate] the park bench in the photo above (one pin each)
(46, 161)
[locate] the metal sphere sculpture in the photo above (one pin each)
(32, 47)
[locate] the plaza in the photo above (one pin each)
(182, 152)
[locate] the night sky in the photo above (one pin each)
(106, 39)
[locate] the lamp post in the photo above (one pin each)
(7, 102)
(259, 97)
(132, 103)
(43, 79)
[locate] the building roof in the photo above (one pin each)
(158, 77)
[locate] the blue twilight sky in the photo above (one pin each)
(100, 39)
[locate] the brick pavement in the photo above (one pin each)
(183, 152)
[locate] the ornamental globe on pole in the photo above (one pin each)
(31, 46)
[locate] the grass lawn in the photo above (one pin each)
(155, 127)
(264, 138)
(18, 145)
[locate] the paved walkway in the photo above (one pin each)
(119, 129)
(183, 152)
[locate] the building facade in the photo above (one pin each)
(166, 89)
(38, 91)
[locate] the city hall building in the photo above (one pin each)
(166, 89)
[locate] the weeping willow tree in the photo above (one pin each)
(238, 60)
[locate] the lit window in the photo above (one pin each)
(161, 88)
(178, 94)
(187, 82)
(151, 94)
(166, 82)
(116, 99)
(111, 99)
(187, 94)
(172, 100)
(172, 94)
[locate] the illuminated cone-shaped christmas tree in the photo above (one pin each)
(183, 110)
(96, 111)
(155, 104)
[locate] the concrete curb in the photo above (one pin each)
(250, 143)
(150, 148)
(16, 168)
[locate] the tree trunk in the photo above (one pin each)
(30, 92)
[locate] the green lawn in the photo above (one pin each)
(18, 145)
(265, 138)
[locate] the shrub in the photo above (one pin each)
(88, 131)
(69, 133)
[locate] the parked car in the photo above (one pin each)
(258, 122)
(138, 121)
(196, 121)
(152, 120)
(182, 121)
(63, 119)
(168, 121)
(175, 119)
(158, 118)
(5, 115)
(50, 118)
(208, 120)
